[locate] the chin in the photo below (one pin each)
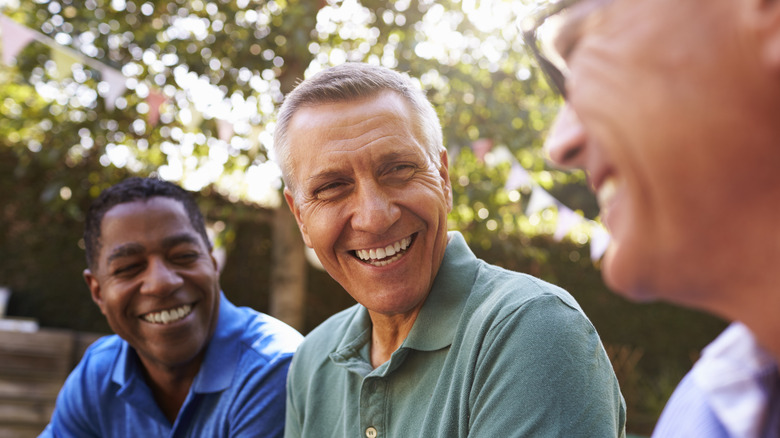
(625, 281)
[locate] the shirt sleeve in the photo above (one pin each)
(73, 415)
(260, 405)
(544, 373)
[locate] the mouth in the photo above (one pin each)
(384, 256)
(606, 192)
(168, 316)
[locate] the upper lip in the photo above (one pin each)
(166, 307)
(384, 245)
(598, 176)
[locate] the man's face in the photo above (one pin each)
(659, 109)
(156, 281)
(369, 201)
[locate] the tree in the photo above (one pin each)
(199, 81)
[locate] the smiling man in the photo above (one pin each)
(673, 109)
(184, 360)
(440, 344)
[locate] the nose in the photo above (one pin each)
(160, 279)
(565, 144)
(374, 209)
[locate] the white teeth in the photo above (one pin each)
(168, 316)
(375, 255)
(606, 192)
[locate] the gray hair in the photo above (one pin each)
(353, 81)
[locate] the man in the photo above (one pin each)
(184, 360)
(441, 344)
(673, 109)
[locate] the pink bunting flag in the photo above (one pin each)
(482, 147)
(155, 99)
(224, 130)
(15, 38)
(116, 86)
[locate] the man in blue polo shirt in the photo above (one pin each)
(184, 360)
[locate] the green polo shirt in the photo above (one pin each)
(493, 353)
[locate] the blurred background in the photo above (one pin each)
(94, 91)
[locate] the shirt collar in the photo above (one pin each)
(435, 325)
(219, 363)
(737, 376)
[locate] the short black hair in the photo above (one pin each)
(136, 189)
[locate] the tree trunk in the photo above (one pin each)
(288, 270)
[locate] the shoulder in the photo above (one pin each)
(100, 356)
(260, 334)
(503, 293)
(325, 338)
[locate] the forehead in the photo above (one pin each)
(339, 133)
(143, 222)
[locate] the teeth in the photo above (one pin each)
(606, 192)
(168, 316)
(375, 255)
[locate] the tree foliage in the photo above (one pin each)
(219, 63)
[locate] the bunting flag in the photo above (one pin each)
(599, 241)
(64, 62)
(482, 147)
(518, 178)
(224, 130)
(155, 99)
(539, 201)
(116, 85)
(15, 38)
(567, 219)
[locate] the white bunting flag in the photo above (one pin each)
(116, 85)
(539, 201)
(599, 241)
(518, 178)
(567, 219)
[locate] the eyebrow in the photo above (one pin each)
(132, 249)
(383, 158)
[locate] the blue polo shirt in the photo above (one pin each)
(239, 390)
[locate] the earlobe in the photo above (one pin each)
(290, 198)
(94, 288)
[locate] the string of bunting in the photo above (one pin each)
(540, 200)
(15, 37)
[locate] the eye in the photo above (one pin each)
(330, 190)
(400, 172)
(185, 258)
(128, 270)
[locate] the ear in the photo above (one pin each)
(444, 172)
(290, 198)
(94, 288)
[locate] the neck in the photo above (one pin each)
(388, 333)
(748, 291)
(170, 385)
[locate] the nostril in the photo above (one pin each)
(566, 140)
(570, 154)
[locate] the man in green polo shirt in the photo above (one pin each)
(441, 343)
